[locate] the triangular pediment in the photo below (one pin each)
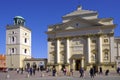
(79, 23)
(75, 23)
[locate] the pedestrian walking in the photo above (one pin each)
(118, 70)
(34, 71)
(31, 70)
(81, 72)
(17, 70)
(71, 72)
(100, 72)
(106, 72)
(92, 73)
(64, 70)
(54, 71)
(21, 70)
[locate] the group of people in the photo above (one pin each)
(93, 71)
(64, 70)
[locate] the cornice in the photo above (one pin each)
(83, 29)
(9, 27)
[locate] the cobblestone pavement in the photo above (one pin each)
(12, 75)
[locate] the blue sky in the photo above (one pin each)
(41, 13)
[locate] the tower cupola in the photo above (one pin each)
(18, 20)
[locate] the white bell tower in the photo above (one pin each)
(18, 43)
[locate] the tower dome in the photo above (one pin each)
(19, 20)
(20, 17)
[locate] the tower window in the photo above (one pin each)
(25, 40)
(25, 33)
(13, 50)
(25, 51)
(13, 39)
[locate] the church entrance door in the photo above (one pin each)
(77, 64)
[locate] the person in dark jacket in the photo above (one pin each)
(54, 71)
(100, 72)
(81, 72)
(106, 72)
(31, 70)
(92, 73)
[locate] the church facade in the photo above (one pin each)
(83, 40)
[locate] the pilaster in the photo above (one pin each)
(82, 62)
(73, 65)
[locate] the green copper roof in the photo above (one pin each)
(19, 17)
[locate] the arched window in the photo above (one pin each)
(25, 51)
(106, 56)
(25, 40)
(13, 50)
(93, 57)
(13, 39)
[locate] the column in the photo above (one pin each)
(89, 53)
(100, 50)
(82, 62)
(49, 57)
(73, 64)
(68, 50)
(58, 51)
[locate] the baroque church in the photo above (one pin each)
(83, 40)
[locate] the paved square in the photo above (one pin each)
(12, 75)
